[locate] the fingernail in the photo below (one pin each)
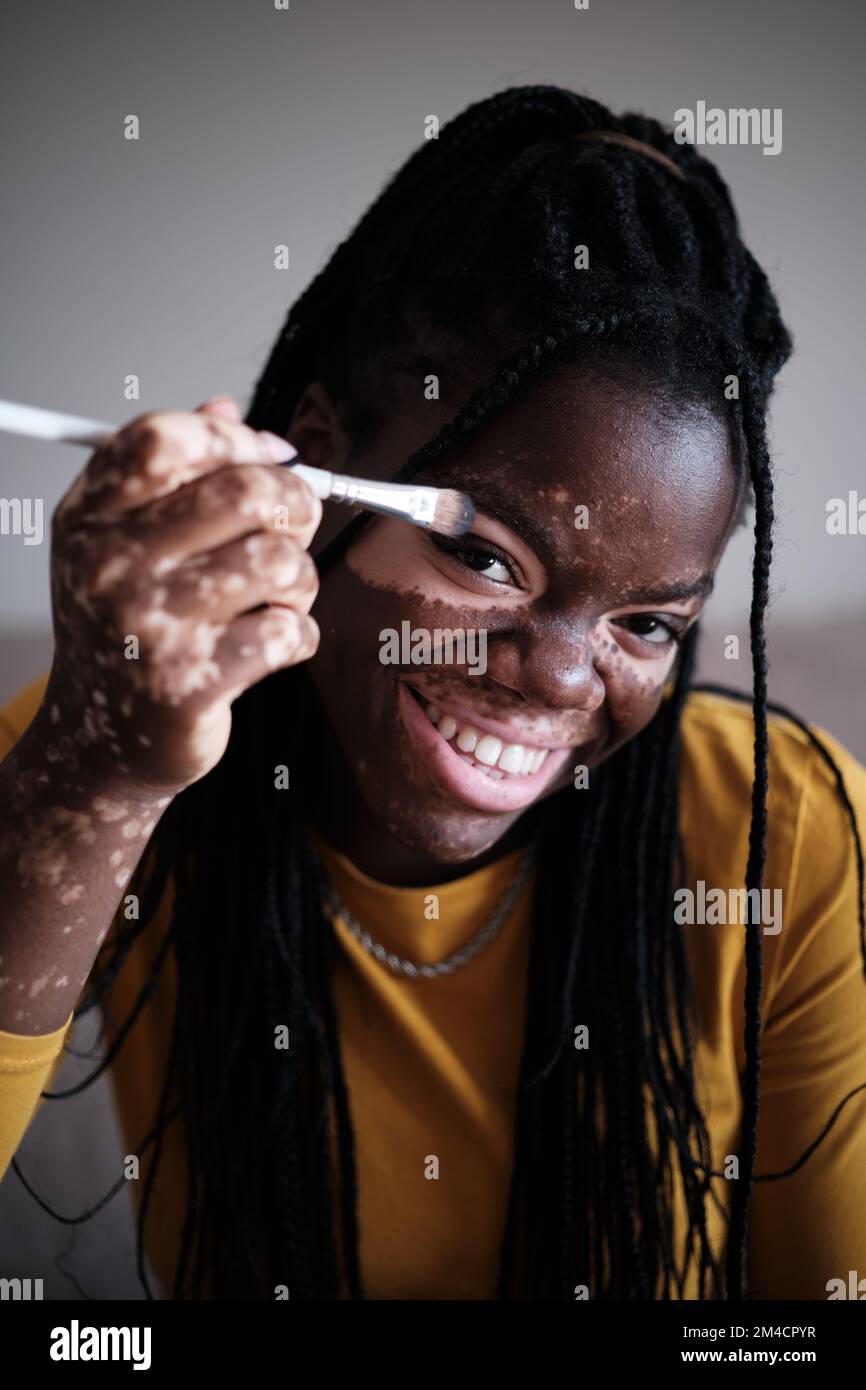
(279, 450)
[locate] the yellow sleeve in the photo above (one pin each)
(27, 1068)
(28, 1065)
(810, 1228)
(20, 711)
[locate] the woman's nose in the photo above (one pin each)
(551, 666)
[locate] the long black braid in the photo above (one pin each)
(467, 258)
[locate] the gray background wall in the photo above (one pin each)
(261, 126)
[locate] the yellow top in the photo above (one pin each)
(432, 1065)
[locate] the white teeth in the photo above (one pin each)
(488, 750)
(512, 756)
(488, 753)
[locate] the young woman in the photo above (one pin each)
(402, 995)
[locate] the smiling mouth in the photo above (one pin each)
(473, 765)
(485, 752)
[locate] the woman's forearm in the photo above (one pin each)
(70, 839)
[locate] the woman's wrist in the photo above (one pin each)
(61, 757)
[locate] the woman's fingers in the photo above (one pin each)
(180, 576)
(257, 643)
(226, 406)
(157, 453)
(255, 570)
(214, 509)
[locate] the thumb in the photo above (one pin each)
(224, 406)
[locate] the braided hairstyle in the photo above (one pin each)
(466, 256)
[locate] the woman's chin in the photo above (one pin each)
(423, 796)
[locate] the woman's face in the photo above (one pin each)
(580, 611)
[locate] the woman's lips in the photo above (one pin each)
(508, 733)
(454, 772)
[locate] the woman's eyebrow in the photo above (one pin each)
(504, 508)
(661, 593)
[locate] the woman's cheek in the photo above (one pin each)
(632, 699)
(634, 690)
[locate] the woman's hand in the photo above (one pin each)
(180, 577)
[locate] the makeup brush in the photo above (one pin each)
(437, 508)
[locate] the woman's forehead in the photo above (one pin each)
(573, 425)
(636, 468)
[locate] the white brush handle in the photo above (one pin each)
(51, 424)
(36, 423)
(415, 504)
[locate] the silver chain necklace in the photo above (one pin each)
(482, 938)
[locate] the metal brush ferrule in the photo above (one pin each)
(392, 499)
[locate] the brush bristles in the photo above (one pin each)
(455, 513)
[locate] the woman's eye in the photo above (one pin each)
(483, 562)
(652, 629)
(478, 558)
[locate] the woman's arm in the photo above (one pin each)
(179, 578)
(69, 844)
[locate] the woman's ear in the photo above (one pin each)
(321, 441)
(316, 431)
